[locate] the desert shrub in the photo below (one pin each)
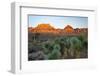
(66, 47)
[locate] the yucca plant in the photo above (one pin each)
(52, 50)
(76, 46)
(84, 42)
(55, 53)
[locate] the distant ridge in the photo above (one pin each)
(47, 28)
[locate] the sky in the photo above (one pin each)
(58, 21)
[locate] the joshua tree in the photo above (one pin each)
(35, 36)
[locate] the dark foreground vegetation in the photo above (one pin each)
(51, 47)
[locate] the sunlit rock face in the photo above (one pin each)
(47, 28)
(69, 29)
(44, 28)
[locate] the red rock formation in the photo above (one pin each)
(47, 28)
(69, 29)
(44, 28)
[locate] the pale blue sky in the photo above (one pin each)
(59, 21)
